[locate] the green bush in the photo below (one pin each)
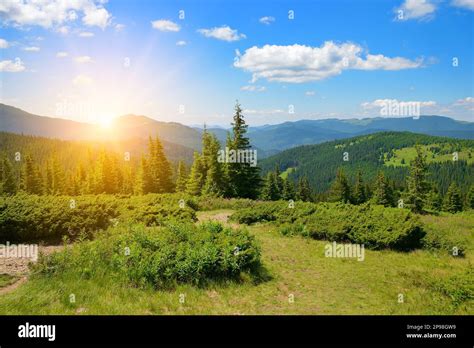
(161, 256)
(49, 218)
(374, 226)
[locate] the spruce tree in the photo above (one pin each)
(8, 178)
(197, 176)
(340, 189)
(452, 201)
(244, 179)
(359, 195)
(163, 170)
(31, 178)
(288, 190)
(270, 190)
(146, 177)
(214, 172)
(416, 182)
(382, 193)
(470, 198)
(303, 192)
(182, 177)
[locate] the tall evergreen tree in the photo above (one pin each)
(288, 190)
(182, 177)
(31, 177)
(303, 191)
(416, 182)
(215, 180)
(197, 176)
(164, 172)
(452, 201)
(359, 195)
(470, 198)
(382, 193)
(244, 179)
(270, 190)
(340, 189)
(8, 181)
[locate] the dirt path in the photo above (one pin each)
(217, 215)
(19, 266)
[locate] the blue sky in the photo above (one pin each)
(93, 60)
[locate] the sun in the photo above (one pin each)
(106, 122)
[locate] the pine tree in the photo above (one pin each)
(416, 182)
(163, 169)
(196, 177)
(8, 178)
(270, 190)
(288, 190)
(182, 177)
(146, 177)
(279, 180)
(433, 200)
(31, 178)
(244, 179)
(303, 192)
(340, 189)
(470, 198)
(214, 171)
(359, 195)
(382, 193)
(453, 201)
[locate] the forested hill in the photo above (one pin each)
(390, 152)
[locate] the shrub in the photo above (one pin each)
(49, 218)
(161, 256)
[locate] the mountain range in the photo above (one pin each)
(268, 139)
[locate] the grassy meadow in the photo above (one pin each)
(294, 277)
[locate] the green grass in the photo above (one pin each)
(6, 279)
(409, 154)
(294, 266)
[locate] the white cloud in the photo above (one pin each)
(61, 54)
(380, 103)
(31, 49)
(94, 16)
(83, 59)
(310, 93)
(86, 34)
(165, 25)
(12, 66)
(64, 30)
(253, 88)
(416, 9)
(82, 80)
(300, 63)
(467, 102)
(181, 43)
(52, 13)
(264, 112)
(224, 33)
(4, 43)
(119, 27)
(267, 20)
(467, 4)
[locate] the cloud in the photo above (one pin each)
(119, 27)
(64, 30)
(300, 63)
(61, 54)
(267, 20)
(253, 88)
(4, 43)
(82, 80)
(165, 25)
(31, 49)
(12, 66)
(99, 17)
(224, 33)
(53, 13)
(416, 9)
(310, 93)
(181, 43)
(467, 4)
(467, 102)
(380, 103)
(83, 59)
(86, 34)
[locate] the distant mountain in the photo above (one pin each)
(390, 152)
(268, 139)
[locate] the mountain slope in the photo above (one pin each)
(374, 152)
